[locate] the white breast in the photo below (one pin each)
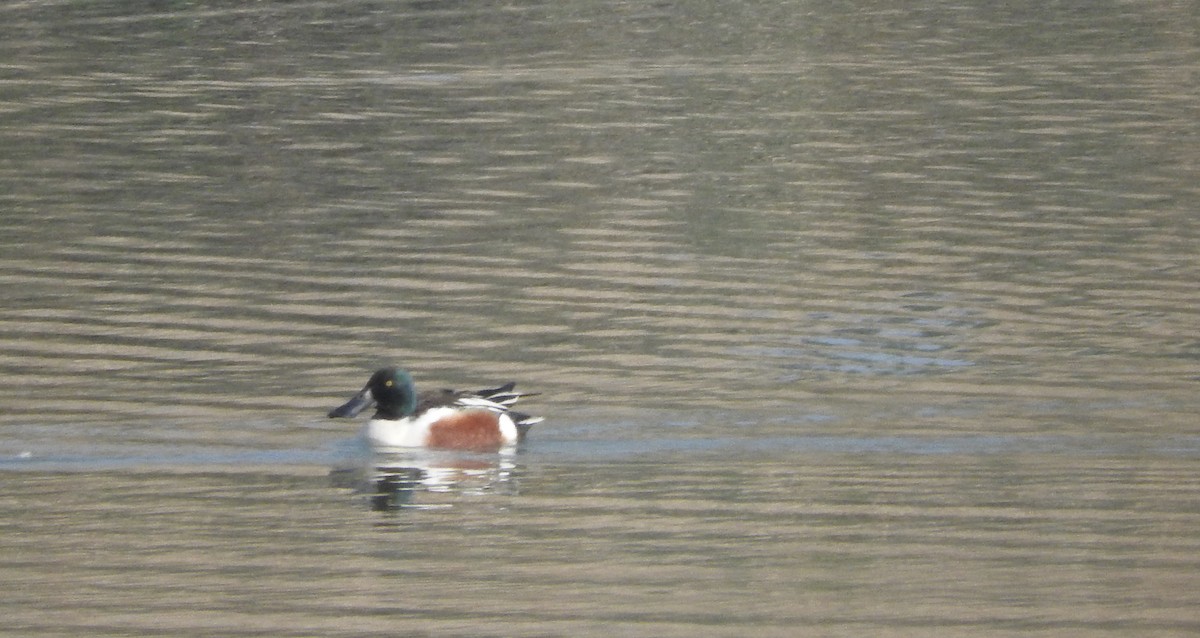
(402, 432)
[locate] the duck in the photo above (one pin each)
(476, 421)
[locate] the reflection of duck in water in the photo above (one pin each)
(478, 421)
(394, 481)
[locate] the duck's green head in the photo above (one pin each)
(390, 389)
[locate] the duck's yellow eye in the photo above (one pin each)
(389, 383)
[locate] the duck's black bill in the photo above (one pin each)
(360, 402)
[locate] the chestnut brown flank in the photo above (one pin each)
(477, 430)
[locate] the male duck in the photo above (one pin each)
(446, 419)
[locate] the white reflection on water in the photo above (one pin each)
(397, 480)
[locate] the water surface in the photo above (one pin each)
(847, 319)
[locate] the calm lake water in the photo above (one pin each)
(848, 319)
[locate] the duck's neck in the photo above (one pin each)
(389, 413)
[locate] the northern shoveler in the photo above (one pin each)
(446, 419)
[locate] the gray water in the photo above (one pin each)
(846, 319)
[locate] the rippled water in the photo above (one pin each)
(847, 319)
